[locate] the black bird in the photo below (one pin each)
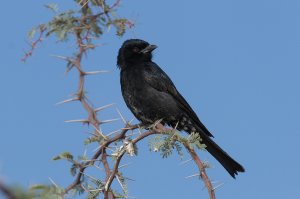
(151, 95)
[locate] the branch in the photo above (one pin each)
(122, 152)
(97, 155)
(7, 192)
(34, 44)
(201, 168)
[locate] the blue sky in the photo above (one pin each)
(236, 62)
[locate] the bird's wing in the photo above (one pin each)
(159, 80)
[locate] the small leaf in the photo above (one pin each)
(31, 33)
(53, 7)
(38, 187)
(64, 155)
(73, 169)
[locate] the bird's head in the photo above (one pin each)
(134, 51)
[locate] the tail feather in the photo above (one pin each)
(232, 166)
(189, 125)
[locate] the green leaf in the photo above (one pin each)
(53, 7)
(31, 33)
(65, 155)
(39, 187)
(92, 139)
(73, 169)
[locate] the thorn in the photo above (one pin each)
(99, 132)
(97, 190)
(87, 175)
(108, 121)
(97, 167)
(80, 120)
(140, 130)
(84, 3)
(186, 161)
(123, 188)
(129, 179)
(95, 72)
(83, 187)
(97, 148)
(66, 101)
(53, 182)
(157, 122)
(126, 128)
(175, 128)
(113, 132)
(103, 107)
(194, 175)
(131, 121)
(84, 152)
(124, 165)
(63, 58)
(132, 134)
(217, 186)
(123, 119)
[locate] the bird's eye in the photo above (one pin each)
(136, 49)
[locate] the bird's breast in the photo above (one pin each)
(145, 102)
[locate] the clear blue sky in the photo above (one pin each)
(236, 62)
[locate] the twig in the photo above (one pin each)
(7, 192)
(34, 44)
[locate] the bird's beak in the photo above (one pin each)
(148, 49)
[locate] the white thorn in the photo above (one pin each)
(175, 128)
(53, 182)
(99, 132)
(126, 128)
(217, 186)
(85, 3)
(113, 132)
(84, 152)
(194, 175)
(62, 57)
(186, 161)
(96, 72)
(124, 165)
(131, 121)
(87, 175)
(79, 120)
(97, 148)
(66, 101)
(123, 188)
(103, 107)
(123, 119)
(108, 121)
(129, 179)
(132, 134)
